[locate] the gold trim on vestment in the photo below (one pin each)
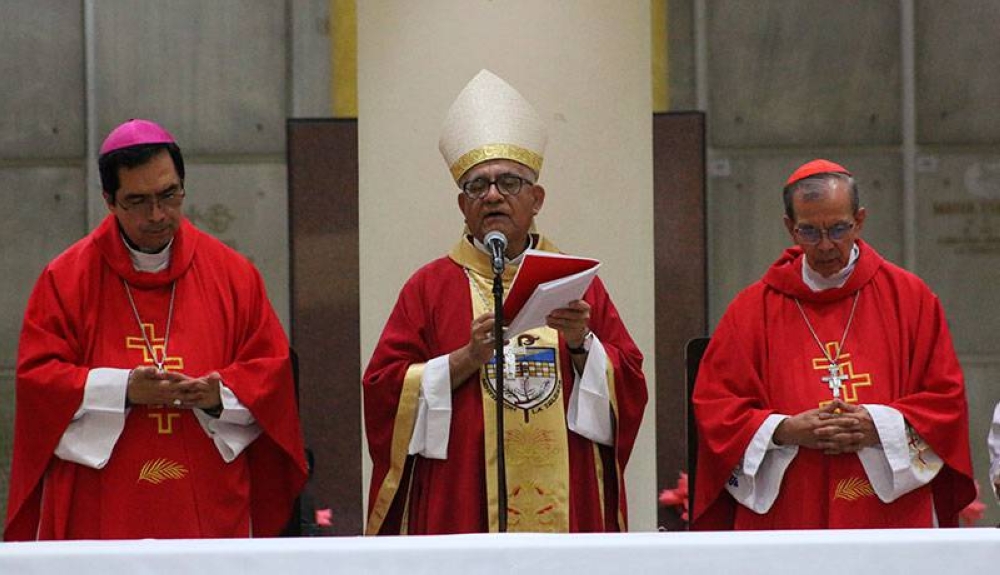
(467, 255)
(402, 431)
(496, 152)
(599, 470)
(536, 444)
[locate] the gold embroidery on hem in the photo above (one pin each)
(405, 417)
(537, 507)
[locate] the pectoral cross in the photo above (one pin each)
(835, 380)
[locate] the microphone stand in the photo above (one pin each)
(498, 351)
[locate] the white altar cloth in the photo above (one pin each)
(838, 552)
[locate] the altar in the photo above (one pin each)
(910, 552)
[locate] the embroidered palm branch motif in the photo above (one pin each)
(157, 471)
(532, 446)
(853, 488)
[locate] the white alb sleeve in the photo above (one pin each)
(993, 444)
(235, 428)
(97, 424)
(589, 413)
(902, 461)
(756, 481)
(432, 426)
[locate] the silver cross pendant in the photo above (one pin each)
(835, 380)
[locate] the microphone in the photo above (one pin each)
(497, 242)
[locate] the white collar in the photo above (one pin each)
(816, 282)
(150, 263)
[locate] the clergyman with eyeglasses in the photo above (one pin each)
(154, 384)
(576, 388)
(830, 395)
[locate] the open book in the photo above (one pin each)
(545, 281)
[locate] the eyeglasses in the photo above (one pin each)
(170, 198)
(507, 185)
(811, 235)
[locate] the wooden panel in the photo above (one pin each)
(323, 216)
(681, 290)
(693, 352)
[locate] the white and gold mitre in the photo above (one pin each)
(491, 120)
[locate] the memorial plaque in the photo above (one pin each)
(958, 243)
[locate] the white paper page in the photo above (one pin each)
(549, 296)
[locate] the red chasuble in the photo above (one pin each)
(763, 359)
(165, 477)
(416, 495)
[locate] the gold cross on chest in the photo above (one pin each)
(841, 374)
(164, 427)
(137, 342)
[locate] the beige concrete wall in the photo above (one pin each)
(585, 65)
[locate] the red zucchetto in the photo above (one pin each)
(815, 167)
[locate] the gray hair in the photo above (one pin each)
(815, 187)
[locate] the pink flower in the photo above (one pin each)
(324, 517)
(678, 496)
(973, 512)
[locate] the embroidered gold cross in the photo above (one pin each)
(167, 427)
(169, 363)
(849, 381)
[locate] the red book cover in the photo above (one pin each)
(545, 270)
